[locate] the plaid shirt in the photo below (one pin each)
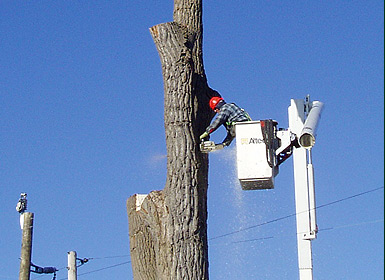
(228, 113)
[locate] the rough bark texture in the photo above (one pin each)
(168, 231)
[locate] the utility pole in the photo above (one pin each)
(26, 224)
(26, 246)
(72, 270)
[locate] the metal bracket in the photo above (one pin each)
(21, 206)
(288, 141)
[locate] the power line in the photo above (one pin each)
(235, 242)
(250, 227)
(95, 258)
(247, 228)
(322, 229)
(352, 225)
(349, 197)
(109, 257)
(294, 214)
(252, 240)
(104, 268)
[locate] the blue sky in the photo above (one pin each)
(81, 117)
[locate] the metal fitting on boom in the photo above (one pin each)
(308, 133)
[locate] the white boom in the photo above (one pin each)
(303, 120)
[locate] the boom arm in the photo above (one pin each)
(304, 128)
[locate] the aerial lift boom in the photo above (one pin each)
(261, 148)
(303, 120)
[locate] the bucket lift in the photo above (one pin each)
(256, 138)
(261, 148)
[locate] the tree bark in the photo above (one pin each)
(168, 228)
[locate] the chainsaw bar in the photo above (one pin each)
(210, 146)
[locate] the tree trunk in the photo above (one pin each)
(168, 228)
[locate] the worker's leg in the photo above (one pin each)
(230, 135)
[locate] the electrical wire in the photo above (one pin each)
(244, 229)
(96, 258)
(349, 197)
(234, 242)
(352, 225)
(323, 229)
(104, 268)
(99, 269)
(294, 214)
(109, 257)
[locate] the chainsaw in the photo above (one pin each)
(210, 146)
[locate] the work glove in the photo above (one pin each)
(204, 135)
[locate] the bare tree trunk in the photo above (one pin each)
(168, 228)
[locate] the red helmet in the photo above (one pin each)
(214, 101)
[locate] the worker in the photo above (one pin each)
(228, 115)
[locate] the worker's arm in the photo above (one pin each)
(219, 120)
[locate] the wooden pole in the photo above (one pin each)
(26, 247)
(72, 270)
